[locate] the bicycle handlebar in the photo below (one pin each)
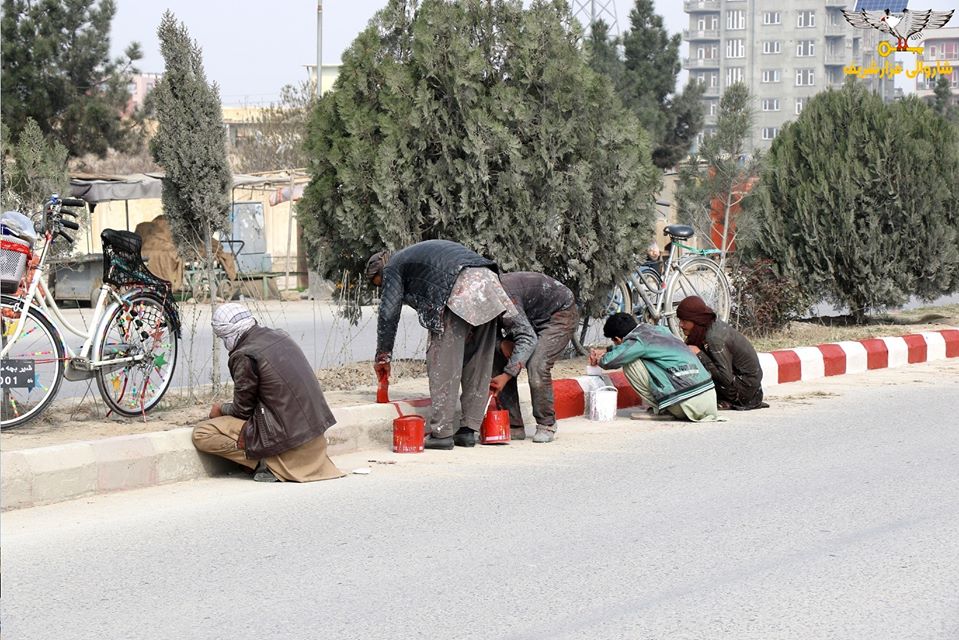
(72, 202)
(70, 224)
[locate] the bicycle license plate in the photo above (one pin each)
(17, 374)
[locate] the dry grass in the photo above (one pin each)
(811, 333)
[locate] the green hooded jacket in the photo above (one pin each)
(675, 373)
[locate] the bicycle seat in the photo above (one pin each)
(681, 231)
(126, 243)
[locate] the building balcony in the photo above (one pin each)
(840, 4)
(691, 6)
(691, 35)
(711, 92)
(710, 120)
(836, 60)
(837, 30)
(701, 63)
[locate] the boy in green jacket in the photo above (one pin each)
(660, 368)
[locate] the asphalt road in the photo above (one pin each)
(326, 338)
(833, 514)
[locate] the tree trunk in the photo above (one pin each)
(728, 205)
(211, 281)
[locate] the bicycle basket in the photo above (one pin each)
(14, 255)
(123, 266)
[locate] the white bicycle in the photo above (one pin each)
(130, 348)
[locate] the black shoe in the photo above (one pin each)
(465, 437)
(263, 473)
(432, 442)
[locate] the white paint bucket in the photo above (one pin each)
(601, 404)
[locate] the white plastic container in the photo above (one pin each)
(601, 404)
(592, 370)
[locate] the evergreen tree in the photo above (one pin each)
(480, 122)
(604, 57)
(190, 145)
(57, 71)
(645, 80)
(716, 182)
(37, 168)
(684, 115)
(944, 102)
(860, 201)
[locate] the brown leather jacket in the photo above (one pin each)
(275, 390)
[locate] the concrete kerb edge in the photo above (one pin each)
(44, 475)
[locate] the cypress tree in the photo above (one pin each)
(860, 201)
(479, 122)
(190, 145)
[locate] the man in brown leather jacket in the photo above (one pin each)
(278, 416)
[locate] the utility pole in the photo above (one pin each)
(319, 48)
(596, 10)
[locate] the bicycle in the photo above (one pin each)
(653, 297)
(131, 345)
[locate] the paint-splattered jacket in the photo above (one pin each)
(422, 276)
(537, 297)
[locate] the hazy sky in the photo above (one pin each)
(251, 49)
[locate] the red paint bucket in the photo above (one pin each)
(495, 429)
(408, 434)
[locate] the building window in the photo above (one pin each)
(700, 78)
(772, 17)
(770, 132)
(771, 75)
(714, 81)
(805, 48)
(713, 107)
(735, 19)
(800, 103)
(701, 24)
(770, 104)
(734, 75)
(805, 77)
(772, 46)
(701, 53)
(806, 19)
(714, 23)
(736, 48)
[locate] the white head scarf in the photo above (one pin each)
(230, 322)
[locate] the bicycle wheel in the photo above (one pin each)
(652, 285)
(696, 277)
(141, 326)
(619, 299)
(32, 370)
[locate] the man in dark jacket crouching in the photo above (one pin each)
(278, 416)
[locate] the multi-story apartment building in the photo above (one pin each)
(939, 45)
(785, 52)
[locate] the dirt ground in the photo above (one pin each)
(85, 419)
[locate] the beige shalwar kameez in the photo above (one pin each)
(307, 463)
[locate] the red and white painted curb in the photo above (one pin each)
(789, 365)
